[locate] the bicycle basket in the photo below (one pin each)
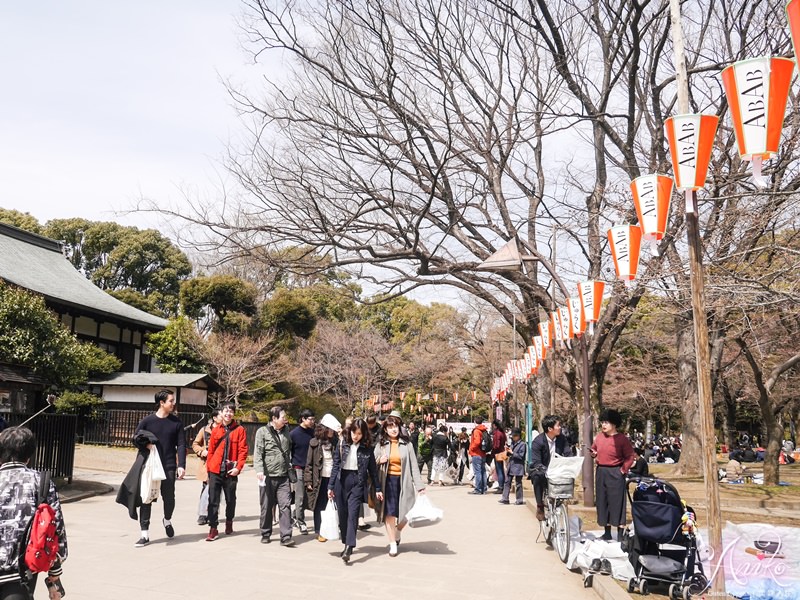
(561, 488)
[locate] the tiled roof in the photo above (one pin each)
(165, 380)
(36, 263)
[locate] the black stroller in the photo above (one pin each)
(662, 548)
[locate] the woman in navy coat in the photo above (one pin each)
(352, 464)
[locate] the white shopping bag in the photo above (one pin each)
(424, 513)
(564, 468)
(152, 476)
(329, 524)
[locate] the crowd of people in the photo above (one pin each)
(364, 462)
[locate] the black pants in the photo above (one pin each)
(611, 499)
(348, 503)
(539, 486)
(423, 461)
(167, 496)
(321, 503)
(226, 485)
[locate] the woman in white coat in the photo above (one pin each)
(399, 477)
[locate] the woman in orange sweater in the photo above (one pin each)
(399, 477)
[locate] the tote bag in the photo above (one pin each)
(329, 524)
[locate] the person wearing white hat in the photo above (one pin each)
(319, 463)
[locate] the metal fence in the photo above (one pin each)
(55, 442)
(116, 427)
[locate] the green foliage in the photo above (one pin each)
(82, 404)
(124, 258)
(98, 361)
(151, 303)
(31, 335)
(288, 314)
(220, 294)
(19, 219)
(334, 303)
(174, 348)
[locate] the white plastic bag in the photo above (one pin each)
(329, 523)
(202, 507)
(424, 513)
(152, 476)
(564, 468)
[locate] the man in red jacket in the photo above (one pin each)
(478, 456)
(227, 453)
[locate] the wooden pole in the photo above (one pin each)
(702, 352)
(586, 433)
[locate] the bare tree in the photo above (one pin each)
(409, 140)
(243, 365)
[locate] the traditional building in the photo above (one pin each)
(37, 263)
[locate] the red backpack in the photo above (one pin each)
(41, 547)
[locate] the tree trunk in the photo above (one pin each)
(774, 427)
(691, 461)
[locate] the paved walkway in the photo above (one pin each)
(481, 549)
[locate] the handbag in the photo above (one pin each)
(501, 456)
(329, 521)
(424, 513)
(290, 471)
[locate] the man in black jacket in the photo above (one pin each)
(542, 449)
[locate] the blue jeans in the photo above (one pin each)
(479, 470)
(500, 470)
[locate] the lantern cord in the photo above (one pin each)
(758, 178)
(689, 201)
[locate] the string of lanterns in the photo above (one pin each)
(418, 406)
(757, 92)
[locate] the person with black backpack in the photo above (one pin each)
(480, 443)
(20, 493)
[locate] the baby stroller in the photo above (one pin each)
(663, 545)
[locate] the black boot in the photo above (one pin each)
(348, 550)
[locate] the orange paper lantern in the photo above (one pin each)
(793, 16)
(576, 317)
(591, 297)
(652, 195)
(625, 241)
(555, 321)
(757, 90)
(546, 331)
(691, 140)
(566, 324)
(540, 349)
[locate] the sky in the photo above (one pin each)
(107, 102)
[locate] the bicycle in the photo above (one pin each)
(555, 526)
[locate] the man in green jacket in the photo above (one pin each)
(271, 461)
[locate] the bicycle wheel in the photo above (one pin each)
(561, 533)
(548, 525)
